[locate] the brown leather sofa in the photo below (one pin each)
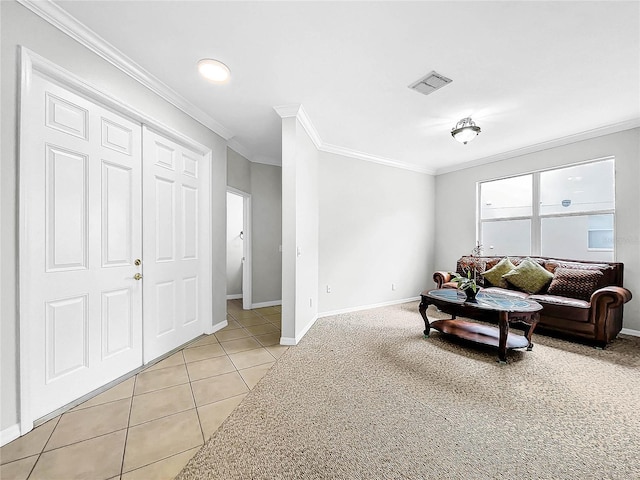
(596, 317)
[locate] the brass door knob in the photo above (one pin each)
(137, 276)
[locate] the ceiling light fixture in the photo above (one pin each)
(465, 130)
(214, 70)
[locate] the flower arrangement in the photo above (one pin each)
(468, 282)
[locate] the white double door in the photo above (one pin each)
(86, 275)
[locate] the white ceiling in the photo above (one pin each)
(529, 73)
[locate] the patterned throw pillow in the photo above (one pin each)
(575, 283)
(528, 276)
(494, 275)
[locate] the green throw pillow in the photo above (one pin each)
(494, 275)
(529, 276)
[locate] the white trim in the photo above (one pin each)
(247, 247)
(298, 111)
(272, 303)
(629, 331)
(538, 147)
(217, 327)
(9, 434)
(294, 341)
(367, 307)
(32, 62)
(63, 21)
(234, 296)
(347, 152)
(236, 146)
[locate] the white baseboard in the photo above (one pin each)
(266, 304)
(234, 296)
(9, 434)
(218, 326)
(294, 341)
(628, 331)
(366, 307)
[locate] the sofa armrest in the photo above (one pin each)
(441, 278)
(606, 312)
(610, 296)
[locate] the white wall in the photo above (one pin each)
(235, 244)
(299, 231)
(456, 217)
(376, 229)
(21, 27)
(264, 183)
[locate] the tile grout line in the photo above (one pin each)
(195, 403)
(43, 447)
(126, 435)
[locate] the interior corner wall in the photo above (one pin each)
(376, 233)
(299, 230)
(19, 26)
(456, 202)
(264, 183)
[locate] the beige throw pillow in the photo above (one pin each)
(494, 275)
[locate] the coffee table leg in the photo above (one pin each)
(530, 328)
(423, 311)
(503, 324)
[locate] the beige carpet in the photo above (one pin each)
(364, 396)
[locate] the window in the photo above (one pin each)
(565, 212)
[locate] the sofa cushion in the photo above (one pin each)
(563, 307)
(504, 291)
(575, 283)
(494, 275)
(529, 276)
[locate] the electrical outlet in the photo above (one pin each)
(393, 286)
(328, 288)
(311, 302)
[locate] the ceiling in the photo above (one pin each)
(529, 73)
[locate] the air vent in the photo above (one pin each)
(431, 82)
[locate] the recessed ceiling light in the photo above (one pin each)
(213, 70)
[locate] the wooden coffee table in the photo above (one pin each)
(508, 309)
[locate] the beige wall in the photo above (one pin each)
(456, 216)
(21, 27)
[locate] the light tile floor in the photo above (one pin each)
(149, 426)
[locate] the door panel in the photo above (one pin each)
(176, 231)
(81, 194)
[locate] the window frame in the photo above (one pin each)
(536, 218)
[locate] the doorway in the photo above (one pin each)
(239, 246)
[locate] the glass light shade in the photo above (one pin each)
(465, 130)
(214, 70)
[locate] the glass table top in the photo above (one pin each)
(486, 300)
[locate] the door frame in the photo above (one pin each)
(34, 64)
(247, 265)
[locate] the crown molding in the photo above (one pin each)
(237, 147)
(347, 152)
(298, 111)
(538, 147)
(70, 26)
(264, 160)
